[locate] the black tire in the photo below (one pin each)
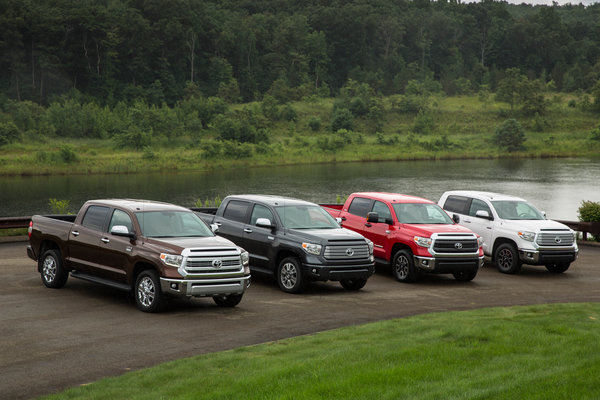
(353, 284)
(52, 270)
(148, 295)
(558, 268)
(289, 275)
(403, 266)
(230, 300)
(465, 276)
(507, 259)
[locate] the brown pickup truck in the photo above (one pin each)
(149, 248)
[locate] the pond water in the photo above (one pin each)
(556, 186)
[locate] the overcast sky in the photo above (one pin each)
(549, 2)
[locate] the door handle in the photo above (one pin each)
(368, 225)
(247, 230)
(75, 233)
(218, 223)
(105, 240)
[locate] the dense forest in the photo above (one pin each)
(109, 51)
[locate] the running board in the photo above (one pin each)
(100, 281)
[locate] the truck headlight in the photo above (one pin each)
(312, 248)
(422, 241)
(479, 241)
(171, 260)
(245, 257)
(370, 244)
(526, 235)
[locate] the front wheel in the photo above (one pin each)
(230, 300)
(353, 284)
(465, 276)
(289, 276)
(148, 296)
(403, 266)
(507, 259)
(558, 268)
(52, 270)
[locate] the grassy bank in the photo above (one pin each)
(452, 128)
(534, 352)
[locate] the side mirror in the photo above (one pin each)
(483, 214)
(121, 230)
(544, 214)
(339, 221)
(264, 223)
(214, 228)
(456, 218)
(373, 217)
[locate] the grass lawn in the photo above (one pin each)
(529, 352)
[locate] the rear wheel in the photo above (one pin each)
(353, 284)
(230, 300)
(52, 270)
(289, 276)
(403, 266)
(558, 268)
(465, 276)
(507, 259)
(148, 296)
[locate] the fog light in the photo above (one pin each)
(425, 262)
(314, 270)
(530, 255)
(175, 286)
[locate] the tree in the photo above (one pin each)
(510, 136)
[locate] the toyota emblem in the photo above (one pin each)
(557, 239)
(217, 263)
(349, 252)
(458, 245)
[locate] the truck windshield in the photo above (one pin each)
(305, 217)
(172, 224)
(516, 210)
(421, 213)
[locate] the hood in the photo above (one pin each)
(325, 235)
(176, 245)
(426, 230)
(535, 225)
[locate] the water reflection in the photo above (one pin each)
(555, 185)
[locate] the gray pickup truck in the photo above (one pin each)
(149, 248)
(294, 240)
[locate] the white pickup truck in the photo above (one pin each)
(514, 232)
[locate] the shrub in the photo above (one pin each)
(342, 119)
(67, 155)
(289, 114)
(589, 211)
(8, 132)
(595, 134)
(133, 138)
(59, 206)
(314, 123)
(510, 135)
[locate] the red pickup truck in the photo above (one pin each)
(411, 234)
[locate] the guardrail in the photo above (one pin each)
(585, 228)
(14, 222)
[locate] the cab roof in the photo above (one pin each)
(393, 197)
(272, 200)
(484, 195)
(134, 205)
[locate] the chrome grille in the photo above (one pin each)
(204, 261)
(346, 250)
(555, 239)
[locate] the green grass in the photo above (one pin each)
(531, 352)
(467, 124)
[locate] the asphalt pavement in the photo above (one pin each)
(53, 339)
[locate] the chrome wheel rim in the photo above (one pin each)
(401, 267)
(289, 275)
(146, 291)
(505, 258)
(49, 269)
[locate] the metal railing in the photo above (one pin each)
(14, 222)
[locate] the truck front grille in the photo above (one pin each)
(556, 238)
(212, 260)
(456, 244)
(346, 250)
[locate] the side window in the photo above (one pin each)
(236, 210)
(477, 205)
(94, 217)
(383, 210)
(360, 206)
(260, 211)
(457, 204)
(120, 218)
